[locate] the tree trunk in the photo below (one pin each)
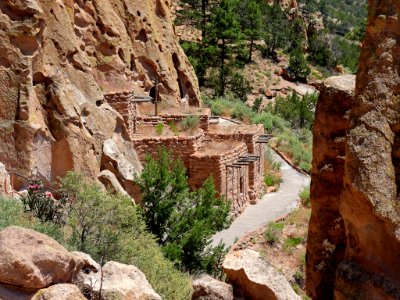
(222, 75)
(251, 49)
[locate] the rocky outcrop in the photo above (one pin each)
(63, 291)
(254, 278)
(368, 205)
(4, 180)
(117, 281)
(34, 266)
(326, 242)
(57, 61)
(32, 260)
(207, 288)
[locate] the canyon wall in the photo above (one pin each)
(58, 58)
(353, 249)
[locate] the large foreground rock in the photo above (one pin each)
(361, 230)
(32, 260)
(255, 278)
(207, 288)
(59, 292)
(123, 282)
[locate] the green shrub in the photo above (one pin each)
(271, 232)
(112, 229)
(190, 123)
(109, 227)
(271, 122)
(292, 242)
(257, 104)
(272, 179)
(182, 220)
(173, 128)
(12, 214)
(159, 128)
(42, 204)
(305, 197)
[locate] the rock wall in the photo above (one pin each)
(326, 242)
(369, 202)
(59, 58)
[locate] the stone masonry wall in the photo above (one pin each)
(227, 181)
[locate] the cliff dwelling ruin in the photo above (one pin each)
(232, 153)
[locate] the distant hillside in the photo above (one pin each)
(340, 16)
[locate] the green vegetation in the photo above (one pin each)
(305, 197)
(182, 220)
(271, 232)
(108, 227)
(290, 120)
(292, 242)
(190, 123)
(159, 128)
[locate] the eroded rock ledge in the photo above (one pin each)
(57, 61)
(354, 239)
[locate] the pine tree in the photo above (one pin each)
(298, 64)
(224, 32)
(249, 12)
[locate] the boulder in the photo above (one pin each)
(207, 288)
(255, 278)
(110, 181)
(120, 281)
(32, 260)
(63, 291)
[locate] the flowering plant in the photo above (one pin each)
(42, 203)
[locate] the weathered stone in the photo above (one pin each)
(255, 278)
(57, 61)
(326, 236)
(32, 260)
(120, 281)
(365, 250)
(59, 292)
(4, 180)
(207, 288)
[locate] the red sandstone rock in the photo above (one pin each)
(61, 57)
(32, 260)
(361, 258)
(326, 242)
(255, 278)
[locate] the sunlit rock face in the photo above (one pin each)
(355, 251)
(57, 61)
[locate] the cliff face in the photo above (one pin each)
(57, 61)
(354, 237)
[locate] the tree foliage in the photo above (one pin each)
(182, 220)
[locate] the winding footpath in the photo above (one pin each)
(271, 207)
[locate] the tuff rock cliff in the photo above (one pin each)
(354, 236)
(58, 58)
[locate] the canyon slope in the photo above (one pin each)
(58, 59)
(353, 249)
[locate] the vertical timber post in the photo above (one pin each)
(156, 99)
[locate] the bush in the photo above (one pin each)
(159, 128)
(272, 179)
(108, 227)
(298, 64)
(239, 86)
(230, 107)
(12, 214)
(257, 104)
(42, 204)
(272, 231)
(190, 123)
(305, 197)
(292, 242)
(182, 220)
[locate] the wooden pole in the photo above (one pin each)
(156, 99)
